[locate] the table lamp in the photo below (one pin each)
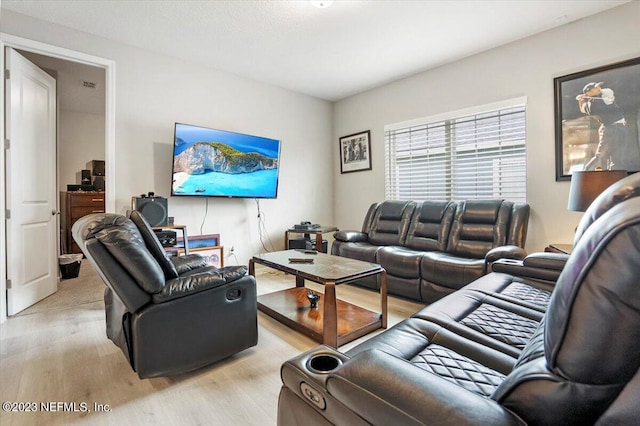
(587, 185)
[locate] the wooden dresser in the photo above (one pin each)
(74, 205)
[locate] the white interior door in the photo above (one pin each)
(32, 237)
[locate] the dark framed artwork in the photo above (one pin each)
(596, 119)
(355, 152)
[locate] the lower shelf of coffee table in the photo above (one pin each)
(292, 308)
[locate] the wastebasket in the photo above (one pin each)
(69, 265)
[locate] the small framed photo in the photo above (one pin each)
(214, 255)
(597, 112)
(355, 152)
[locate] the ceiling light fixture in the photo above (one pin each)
(322, 4)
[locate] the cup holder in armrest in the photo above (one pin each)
(313, 367)
(323, 363)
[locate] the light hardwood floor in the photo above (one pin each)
(63, 355)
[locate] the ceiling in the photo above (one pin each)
(329, 53)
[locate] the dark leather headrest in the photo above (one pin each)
(593, 321)
(481, 211)
(88, 226)
(433, 211)
(392, 210)
(124, 242)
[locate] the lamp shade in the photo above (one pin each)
(587, 185)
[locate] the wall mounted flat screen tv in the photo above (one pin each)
(216, 163)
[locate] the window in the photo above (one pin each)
(477, 154)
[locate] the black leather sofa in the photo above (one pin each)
(167, 315)
(507, 349)
(431, 249)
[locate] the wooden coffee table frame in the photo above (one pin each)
(334, 322)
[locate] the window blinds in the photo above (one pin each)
(480, 155)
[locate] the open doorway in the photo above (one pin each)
(80, 138)
(29, 47)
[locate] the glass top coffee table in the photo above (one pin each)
(333, 322)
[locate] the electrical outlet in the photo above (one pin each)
(231, 250)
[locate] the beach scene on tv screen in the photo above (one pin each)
(218, 163)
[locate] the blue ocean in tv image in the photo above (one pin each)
(256, 184)
(211, 162)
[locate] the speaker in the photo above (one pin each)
(83, 177)
(96, 167)
(98, 183)
(154, 209)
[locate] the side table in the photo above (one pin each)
(559, 248)
(317, 231)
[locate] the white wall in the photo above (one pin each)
(154, 91)
(523, 68)
(80, 140)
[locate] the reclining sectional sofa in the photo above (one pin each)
(552, 339)
(431, 249)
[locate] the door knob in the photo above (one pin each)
(55, 212)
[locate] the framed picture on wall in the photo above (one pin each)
(596, 119)
(355, 152)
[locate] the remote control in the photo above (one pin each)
(300, 260)
(307, 251)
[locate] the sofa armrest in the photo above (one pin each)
(553, 261)
(504, 252)
(188, 262)
(384, 389)
(350, 236)
(197, 282)
(545, 266)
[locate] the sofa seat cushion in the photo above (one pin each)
(501, 324)
(400, 261)
(485, 319)
(433, 348)
(459, 369)
(449, 270)
(410, 339)
(188, 262)
(199, 280)
(359, 251)
(189, 284)
(529, 293)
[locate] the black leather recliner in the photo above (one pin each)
(541, 348)
(167, 315)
